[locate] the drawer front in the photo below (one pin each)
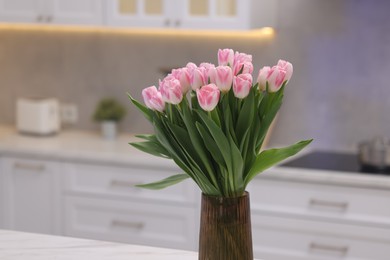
(364, 206)
(154, 225)
(276, 238)
(121, 181)
(31, 193)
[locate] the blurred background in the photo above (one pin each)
(339, 93)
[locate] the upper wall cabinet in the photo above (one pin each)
(52, 11)
(192, 14)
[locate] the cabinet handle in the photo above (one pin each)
(337, 205)
(177, 23)
(29, 166)
(119, 183)
(39, 18)
(317, 247)
(167, 22)
(128, 224)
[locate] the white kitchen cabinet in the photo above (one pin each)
(301, 220)
(192, 14)
(102, 202)
(153, 224)
(279, 237)
(31, 195)
(52, 11)
(28, 11)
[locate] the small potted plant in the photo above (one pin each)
(109, 112)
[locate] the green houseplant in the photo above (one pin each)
(212, 121)
(108, 113)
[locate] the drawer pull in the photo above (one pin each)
(326, 204)
(127, 184)
(323, 248)
(128, 224)
(29, 166)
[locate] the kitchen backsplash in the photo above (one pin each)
(339, 93)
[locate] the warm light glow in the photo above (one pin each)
(263, 33)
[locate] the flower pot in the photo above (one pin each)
(225, 228)
(109, 129)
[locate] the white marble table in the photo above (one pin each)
(28, 246)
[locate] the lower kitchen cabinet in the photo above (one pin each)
(316, 221)
(280, 238)
(153, 224)
(102, 202)
(31, 195)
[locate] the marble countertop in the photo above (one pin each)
(84, 146)
(28, 246)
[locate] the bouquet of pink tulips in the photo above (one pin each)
(212, 121)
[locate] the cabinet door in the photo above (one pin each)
(27, 11)
(139, 13)
(31, 195)
(74, 12)
(213, 14)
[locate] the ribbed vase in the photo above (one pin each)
(225, 228)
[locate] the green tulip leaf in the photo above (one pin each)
(158, 185)
(269, 158)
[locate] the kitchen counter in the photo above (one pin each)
(84, 146)
(77, 145)
(28, 246)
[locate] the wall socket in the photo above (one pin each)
(69, 114)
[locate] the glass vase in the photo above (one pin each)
(225, 228)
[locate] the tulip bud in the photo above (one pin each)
(262, 78)
(275, 78)
(153, 99)
(242, 84)
(225, 57)
(288, 67)
(224, 78)
(210, 71)
(198, 77)
(242, 61)
(208, 96)
(183, 75)
(171, 90)
(191, 65)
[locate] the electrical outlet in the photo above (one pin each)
(69, 114)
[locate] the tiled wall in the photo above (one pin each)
(339, 93)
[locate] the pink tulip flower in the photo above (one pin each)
(153, 99)
(242, 84)
(276, 77)
(225, 57)
(242, 61)
(208, 96)
(198, 77)
(171, 90)
(191, 65)
(183, 75)
(224, 78)
(210, 71)
(262, 78)
(288, 67)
